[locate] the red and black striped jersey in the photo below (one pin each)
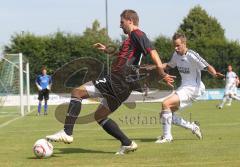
(130, 54)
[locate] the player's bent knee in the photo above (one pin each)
(79, 92)
(100, 116)
(165, 105)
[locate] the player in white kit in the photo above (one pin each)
(189, 65)
(230, 93)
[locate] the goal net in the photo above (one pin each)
(14, 85)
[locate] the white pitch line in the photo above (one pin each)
(12, 120)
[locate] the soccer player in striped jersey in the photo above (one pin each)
(189, 64)
(116, 87)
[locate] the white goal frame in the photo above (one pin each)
(21, 67)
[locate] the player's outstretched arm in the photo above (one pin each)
(169, 79)
(213, 72)
(149, 67)
(100, 46)
(110, 49)
(237, 81)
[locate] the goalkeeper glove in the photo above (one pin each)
(39, 87)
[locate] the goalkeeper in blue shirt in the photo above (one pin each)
(43, 83)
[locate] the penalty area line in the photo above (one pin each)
(14, 119)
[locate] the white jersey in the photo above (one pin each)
(189, 67)
(231, 81)
(231, 78)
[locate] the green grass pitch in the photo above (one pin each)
(93, 147)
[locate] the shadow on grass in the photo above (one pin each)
(79, 150)
(186, 139)
(59, 151)
(33, 157)
(137, 139)
(35, 114)
(144, 139)
(152, 140)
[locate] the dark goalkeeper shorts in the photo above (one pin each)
(43, 94)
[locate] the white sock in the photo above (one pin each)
(223, 101)
(166, 119)
(177, 120)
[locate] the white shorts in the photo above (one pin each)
(94, 93)
(188, 94)
(230, 89)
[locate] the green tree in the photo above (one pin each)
(206, 35)
(33, 47)
(57, 49)
(198, 24)
(164, 47)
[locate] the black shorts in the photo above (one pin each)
(43, 94)
(115, 89)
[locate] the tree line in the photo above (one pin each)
(204, 33)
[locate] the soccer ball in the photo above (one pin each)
(42, 148)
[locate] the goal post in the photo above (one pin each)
(15, 84)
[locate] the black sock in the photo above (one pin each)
(74, 109)
(113, 129)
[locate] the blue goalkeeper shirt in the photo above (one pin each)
(44, 80)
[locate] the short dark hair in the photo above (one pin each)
(181, 36)
(44, 68)
(130, 15)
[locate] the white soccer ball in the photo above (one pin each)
(42, 148)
